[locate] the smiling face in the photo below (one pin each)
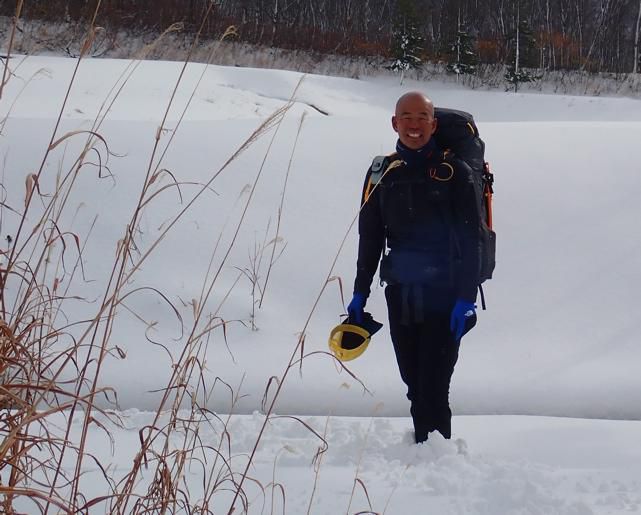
(414, 120)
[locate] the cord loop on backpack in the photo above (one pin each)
(434, 173)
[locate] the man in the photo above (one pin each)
(423, 209)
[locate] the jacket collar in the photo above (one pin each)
(419, 157)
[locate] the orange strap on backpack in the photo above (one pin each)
(488, 192)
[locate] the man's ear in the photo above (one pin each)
(394, 124)
(434, 125)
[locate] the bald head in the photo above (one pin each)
(414, 120)
(414, 99)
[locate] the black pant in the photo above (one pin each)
(426, 353)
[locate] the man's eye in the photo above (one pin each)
(417, 118)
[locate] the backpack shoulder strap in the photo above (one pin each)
(380, 165)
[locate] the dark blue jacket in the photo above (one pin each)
(427, 217)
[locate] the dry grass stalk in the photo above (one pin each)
(358, 480)
(186, 366)
(37, 350)
(299, 350)
(14, 27)
(272, 258)
(35, 303)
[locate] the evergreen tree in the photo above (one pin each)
(407, 40)
(522, 56)
(463, 58)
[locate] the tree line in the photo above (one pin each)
(592, 35)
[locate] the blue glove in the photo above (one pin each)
(356, 307)
(462, 310)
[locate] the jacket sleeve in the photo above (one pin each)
(467, 226)
(371, 239)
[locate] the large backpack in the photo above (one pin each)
(457, 133)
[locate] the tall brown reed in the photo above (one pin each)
(51, 367)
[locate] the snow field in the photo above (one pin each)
(559, 337)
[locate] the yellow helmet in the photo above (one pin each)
(348, 341)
